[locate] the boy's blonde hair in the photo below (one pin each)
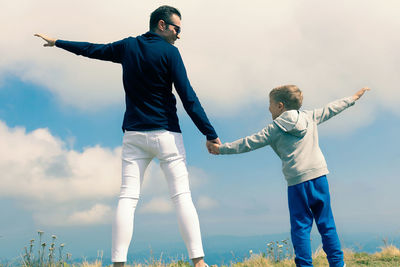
(289, 95)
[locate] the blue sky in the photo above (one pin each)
(61, 115)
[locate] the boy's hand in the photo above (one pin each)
(213, 148)
(359, 94)
(49, 41)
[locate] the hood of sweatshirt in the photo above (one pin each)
(293, 122)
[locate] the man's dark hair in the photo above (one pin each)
(162, 13)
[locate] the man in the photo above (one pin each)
(151, 64)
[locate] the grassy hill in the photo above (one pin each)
(389, 256)
(278, 254)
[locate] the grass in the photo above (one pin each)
(389, 256)
(278, 254)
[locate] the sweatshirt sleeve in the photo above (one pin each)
(189, 98)
(249, 143)
(333, 108)
(109, 52)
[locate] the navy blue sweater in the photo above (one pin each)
(150, 66)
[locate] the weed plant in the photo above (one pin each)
(40, 254)
(279, 251)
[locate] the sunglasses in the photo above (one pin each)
(177, 28)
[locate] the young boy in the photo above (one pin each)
(293, 136)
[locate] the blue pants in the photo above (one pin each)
(307, 201)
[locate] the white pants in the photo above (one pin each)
(138, 149)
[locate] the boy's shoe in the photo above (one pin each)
(209, 266)
(343, 265)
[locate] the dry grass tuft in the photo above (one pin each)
(258, 260)
(97, 263)
(319, 252)
(389, 251)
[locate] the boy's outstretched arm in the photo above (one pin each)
(323, 114)
(249, 143)
(360, 93)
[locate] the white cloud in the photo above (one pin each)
(69, 214)
(61, 186)
(97, 214)
(155, 189)
(157, 205)
(234, 56)
(154, 182)
(47, 178)
(162, 205)
(38, 166)
(206, 203)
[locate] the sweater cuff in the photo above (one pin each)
(212, 136)
(350, 100)
(57, 43)
(223, 149)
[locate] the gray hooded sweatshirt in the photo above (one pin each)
(294, 138)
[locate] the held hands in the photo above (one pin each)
(214, 149)
(49, 41)
(213, 146)
(359, 94)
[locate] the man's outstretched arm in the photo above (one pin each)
(49, 41)
(109, 52)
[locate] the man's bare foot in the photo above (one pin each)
(199, 262)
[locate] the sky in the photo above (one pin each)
(61, 116)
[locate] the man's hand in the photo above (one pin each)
(49, 41)
(210, 144)
(359, 94)
(213, 148)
